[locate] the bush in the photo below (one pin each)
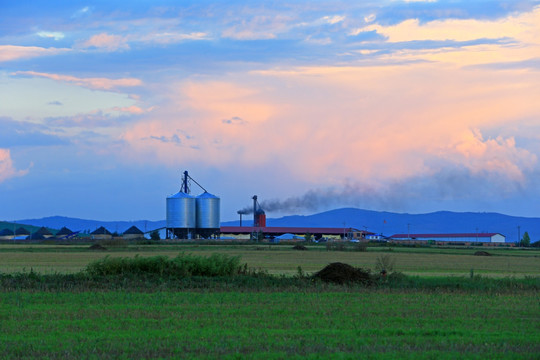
(385, 263)
(181, 266)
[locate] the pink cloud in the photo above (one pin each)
(7, 170)
(92, 83)
(368, 124)
(106, 42)
(12, 52)
(131, 109)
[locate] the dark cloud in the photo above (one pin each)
(21, 133)
(234, 120)
(172, 139)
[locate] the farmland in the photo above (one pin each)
(347, 324)
(442, 310)
(282, 260)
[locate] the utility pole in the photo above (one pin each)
(519, 234)
(408, 231)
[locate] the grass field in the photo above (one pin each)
(383, 325)
(439, 312)
(282, 260)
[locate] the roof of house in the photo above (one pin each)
(101, 231)
(22, 231)
(36, 236)
(43, 231)
(133, 231)
(64, 231)
(6, 232)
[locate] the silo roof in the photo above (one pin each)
(207, 195)
(179, 195)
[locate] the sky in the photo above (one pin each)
(402, 106)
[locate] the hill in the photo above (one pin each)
(383, 222)
(389, 223)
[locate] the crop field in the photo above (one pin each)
(282, 260)
(384, 325)
(232, 318)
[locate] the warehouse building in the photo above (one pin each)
(457, 238)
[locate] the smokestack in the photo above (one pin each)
(255, 219)
(240, 213)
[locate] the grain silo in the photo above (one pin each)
(181, 216)
(208, 215)
(189, 216)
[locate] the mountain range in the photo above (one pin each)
(387, 223)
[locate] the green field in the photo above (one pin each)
(437, 310)
(282, 260)
(350, 325)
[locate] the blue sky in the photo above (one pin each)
(406, 106)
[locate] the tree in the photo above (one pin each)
(308, 237)
(526, 240)
(154, 235)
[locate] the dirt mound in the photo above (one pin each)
(299, 247)
(97, 247)
(482, 253)
(341, 273)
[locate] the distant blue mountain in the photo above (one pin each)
(389, 223)
(383, 222)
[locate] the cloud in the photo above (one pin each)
(520, 26)
(234, 120)
(131, 109)
(378, 126)
(171, 37)
(105, 42)
(91, 83)
(13, 52)
(499, 156)
(22, 133)
(56, 35)
(82, 12)
(7, 169)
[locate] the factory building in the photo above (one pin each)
(448, 239)
(316, 232)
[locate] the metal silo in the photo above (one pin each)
(208, 214)
(181, 214)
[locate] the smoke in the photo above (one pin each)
(312, 200)
(448, 187)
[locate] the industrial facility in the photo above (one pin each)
(448, 239)
(259, 229)
(188, 216)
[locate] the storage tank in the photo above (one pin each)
(208, 214)
(181, 214)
